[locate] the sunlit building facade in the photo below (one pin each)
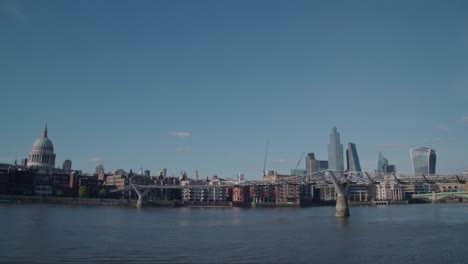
(423, 160)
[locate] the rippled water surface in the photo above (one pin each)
(423, 233)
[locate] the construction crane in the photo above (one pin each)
(299, 162)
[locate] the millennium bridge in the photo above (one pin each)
(340, 179)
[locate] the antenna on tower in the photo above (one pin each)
(264, 162)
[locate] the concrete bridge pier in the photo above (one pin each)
(434, 197)
(141, 195)
(342, 208)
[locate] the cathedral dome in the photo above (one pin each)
(43, 144)
(42, 154)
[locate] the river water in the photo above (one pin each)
(44, 233)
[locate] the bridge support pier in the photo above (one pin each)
(342, 208)
(141, 195)
(434, 197)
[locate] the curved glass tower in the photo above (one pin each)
(423, 160)
(352, 158)
(382, 162)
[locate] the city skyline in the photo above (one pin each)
(203, 85)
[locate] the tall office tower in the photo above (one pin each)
(313, 166)
(352, 158)
(24, 162)
(147, 173)
(67, 166)
(163, 172)
(423, 160)
(382, 162)
(100, 169)
(335, 152)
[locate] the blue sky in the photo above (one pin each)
(202, 85)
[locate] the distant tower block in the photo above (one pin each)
(100, 169)
(382, 162)
(335, 152)
(240, 177)
(162, 172)
(67, 166)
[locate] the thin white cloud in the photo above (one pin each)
(184, 149)
(180, 134)
(252, 166)
(97, 159)
(279, 161)
(442, 127)
(393, 146)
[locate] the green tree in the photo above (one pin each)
(102, 193)
(83, 192)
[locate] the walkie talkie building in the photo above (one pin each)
(423, 160)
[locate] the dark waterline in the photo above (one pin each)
(44, 233)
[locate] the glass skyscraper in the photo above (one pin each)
(423, 160)
(352, 158)
(382, 163)
(335, 152)
(311, 164)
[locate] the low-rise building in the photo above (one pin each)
(119, 181)
(389, 190)
(287, 194)
(360, 192)
(241, 194)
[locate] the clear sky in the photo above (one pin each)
(201, 85)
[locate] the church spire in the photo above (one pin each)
(44, 134)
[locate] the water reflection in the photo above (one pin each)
(342, 222)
